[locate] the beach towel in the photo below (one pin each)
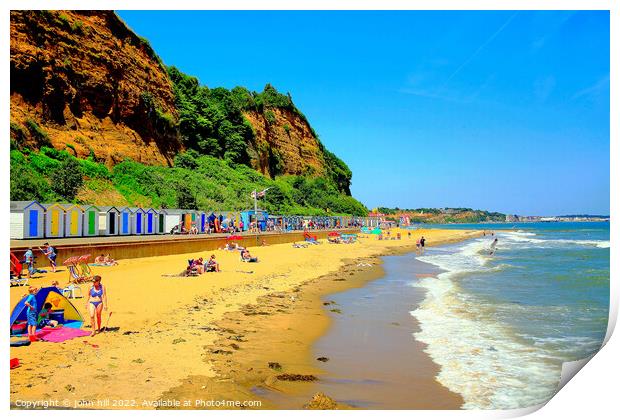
(59, 335)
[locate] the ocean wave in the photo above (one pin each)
(527, 237)
(480, 358)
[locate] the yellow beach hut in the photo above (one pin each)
(74, 216)
(54, 220)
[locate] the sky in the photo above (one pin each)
(497, 110)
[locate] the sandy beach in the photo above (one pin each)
(209, 337)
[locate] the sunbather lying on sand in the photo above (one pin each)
(296, 245)
(104, 260)
(246, 257)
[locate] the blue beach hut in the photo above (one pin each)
(137, 221)
(150, 221)
(124, 221)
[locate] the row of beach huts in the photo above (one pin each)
(32, 220)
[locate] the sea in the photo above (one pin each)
(500, 324)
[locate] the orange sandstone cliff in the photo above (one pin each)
(84, 82)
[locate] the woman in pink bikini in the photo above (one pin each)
(97, 301)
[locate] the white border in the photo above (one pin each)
(593, 394)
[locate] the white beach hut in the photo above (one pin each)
(108, 220)
(172, 218)
(27, 220)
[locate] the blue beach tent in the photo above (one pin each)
(59, 302)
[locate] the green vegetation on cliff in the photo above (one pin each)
(445, 215)
(205, 182)
(211, 122)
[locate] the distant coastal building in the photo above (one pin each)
(512, 218)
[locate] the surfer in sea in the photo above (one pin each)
(493, 246)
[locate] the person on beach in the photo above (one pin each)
(95, 304)
(29, 262)
(100, 259)
(246, 257)
(31, 313)
(212, 265)
(44, 317)
(422, 243)
(50, 253)
(109, 260)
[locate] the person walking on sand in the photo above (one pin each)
(97, 301)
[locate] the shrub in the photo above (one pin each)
(185, 198)
(67, 179)
(186, 160)
(270, 117)
(92, 169)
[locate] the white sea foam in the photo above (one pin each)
(514, 238)
(479, 358)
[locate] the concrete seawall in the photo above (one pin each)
(127, 247)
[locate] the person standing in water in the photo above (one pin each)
(492, 247)
(96, 303)
(422, 243)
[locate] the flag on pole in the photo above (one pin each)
(259, 194)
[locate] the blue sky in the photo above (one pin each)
(498, 110)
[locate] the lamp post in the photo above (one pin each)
(256, 195)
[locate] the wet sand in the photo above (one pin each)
(174, 336)
(374, 361)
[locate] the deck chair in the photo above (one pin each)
(75, 276)
(16, 272)
(85, 270)
(72, 291)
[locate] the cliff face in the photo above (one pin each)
(284, 144)
(84, 81)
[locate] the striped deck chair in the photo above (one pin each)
(84, 268)
(74, 275)
(74, 272)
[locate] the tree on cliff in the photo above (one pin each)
(185, 198)
(67, 179)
